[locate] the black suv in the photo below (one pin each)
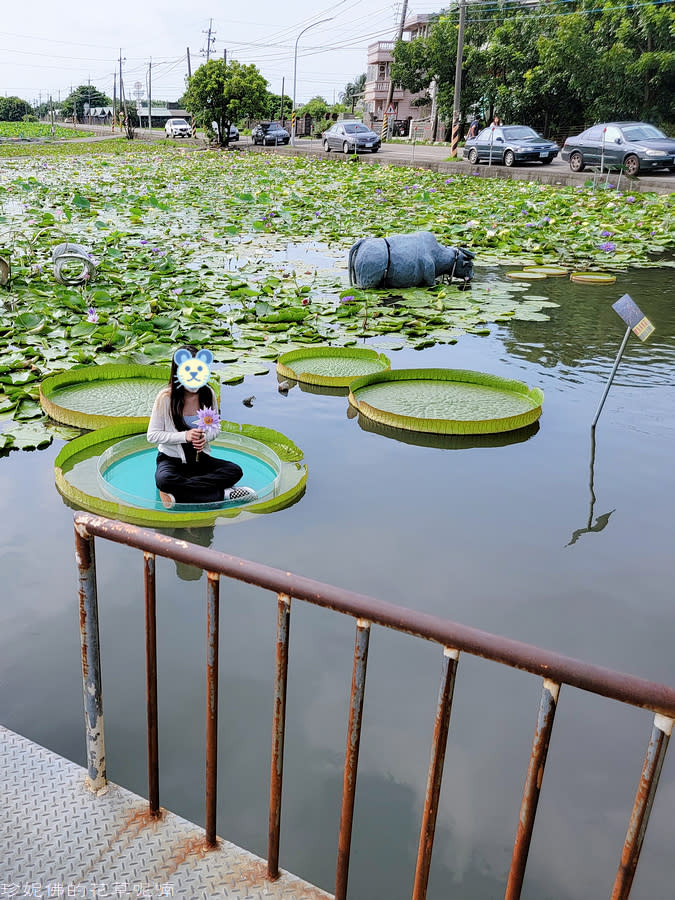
(270, 133)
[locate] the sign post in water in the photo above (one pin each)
(636, 322)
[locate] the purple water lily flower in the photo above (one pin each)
(630, 199)
(606, 233)
(92, 315)
(348, 299)
(608, 247)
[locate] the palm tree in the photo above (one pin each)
(353, 90)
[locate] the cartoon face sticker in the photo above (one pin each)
(193, 371)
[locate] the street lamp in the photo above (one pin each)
(295, 70)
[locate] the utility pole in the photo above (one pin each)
(51, 114)
(390, 96)
(209, 40)
(189, 66)
(281, 108)
(150, 95)
(114, 99)
(89, 98)
(225, 55)
(458, 80)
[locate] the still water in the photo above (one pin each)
(504, 536)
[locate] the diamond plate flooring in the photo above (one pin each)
(58, 839)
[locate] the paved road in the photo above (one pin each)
(437, 158)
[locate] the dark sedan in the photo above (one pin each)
(510, 144)
(270, 133)
(633, 146)
(350, 137)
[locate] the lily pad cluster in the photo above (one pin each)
(246, 253)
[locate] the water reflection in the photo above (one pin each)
(586, 332)
(447, 441)
(602, 520)
(202, 536)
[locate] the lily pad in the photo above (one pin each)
(331, 366)
(90, 473)
(446, 401)
(95, 396)
(592, 278)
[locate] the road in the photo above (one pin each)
(435, 158)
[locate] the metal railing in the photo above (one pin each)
(554, 668)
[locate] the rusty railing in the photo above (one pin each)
(554, 668)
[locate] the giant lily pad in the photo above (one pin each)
(111, 471)
(331, 366)
(446, 401)
(96, 396)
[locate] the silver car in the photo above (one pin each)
(350, 137)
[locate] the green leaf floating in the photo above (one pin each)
(446, 401)
(331, 366)
(95, 396)
(76, 475)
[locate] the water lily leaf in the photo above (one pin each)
(31, 436)
(27, 409)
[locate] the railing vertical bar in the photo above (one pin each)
(532, 789)
(212, 607)
(649, 780)
(352, 755)
(435, 775)
(278, 730)
(91, 658)
(151, 681)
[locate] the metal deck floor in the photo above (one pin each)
(58, 839)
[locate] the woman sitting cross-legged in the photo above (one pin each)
(186, 472)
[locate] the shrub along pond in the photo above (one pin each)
(540, 535)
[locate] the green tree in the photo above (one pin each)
(13, 109)
(273, 107)
(353, 91)
(316, 109)
(225, 93)
(86, 93)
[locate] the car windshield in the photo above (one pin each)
(179, 122)
(642, 133)
(270, 126)
(354, 128)
(520, 133)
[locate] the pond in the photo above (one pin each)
(519, 536)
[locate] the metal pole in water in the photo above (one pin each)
(91, 659)
(612, 374)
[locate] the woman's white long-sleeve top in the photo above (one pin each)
(163, 432)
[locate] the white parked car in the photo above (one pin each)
(177, 128)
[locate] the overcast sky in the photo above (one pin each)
(47, 48)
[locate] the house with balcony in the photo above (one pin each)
(407, 106)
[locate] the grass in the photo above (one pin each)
(33, 130)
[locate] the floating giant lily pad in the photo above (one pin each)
(111, 471)
(331, 366)
(96, 396)
(446, 401)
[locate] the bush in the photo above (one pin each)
(318, 128)
(29, 118)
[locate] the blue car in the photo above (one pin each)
(634, 146)
(508, 145)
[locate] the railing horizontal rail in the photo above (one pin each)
(547, 664)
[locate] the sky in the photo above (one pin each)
(47, 48)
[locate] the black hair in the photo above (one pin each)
(178, 392)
